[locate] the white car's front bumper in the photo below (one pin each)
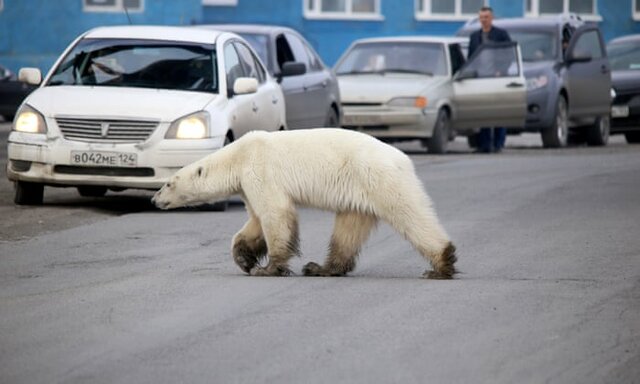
(39, 158)
(390, 122)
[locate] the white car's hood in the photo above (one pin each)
(139, 103)
(377, 88)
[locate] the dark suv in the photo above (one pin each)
(568, 77)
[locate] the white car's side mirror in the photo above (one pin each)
(245, 85)
(31, 76)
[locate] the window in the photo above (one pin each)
(500, 60)
(448, 9)
(251, 66)
(342, 9)
(139, 64)
(589, 44)
(403, 57)
(635, 11)
(113, 5)
(232, 66)
(1, 5)
(224, 3)
(585, 8)
(300, 53)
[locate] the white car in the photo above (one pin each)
(127, 106)
(408, 88)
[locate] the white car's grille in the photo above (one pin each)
(118, 131)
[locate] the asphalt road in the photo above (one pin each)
(113, 291)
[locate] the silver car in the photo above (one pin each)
(408, 88)
(310, 88)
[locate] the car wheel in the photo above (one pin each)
(92, 191)
(28, 193)
(598, 133)
(557, 134)
(440, 137)
(632, 137)
(332, 119)
(472, 140)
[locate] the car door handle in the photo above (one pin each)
(515, 85)
(254, 107)
(274, 100)
(604, 69)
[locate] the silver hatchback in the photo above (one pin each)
(408, 88)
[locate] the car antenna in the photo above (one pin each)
(126, 11)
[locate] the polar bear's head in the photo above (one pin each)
(202, 182)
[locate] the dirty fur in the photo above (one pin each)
(355, 175)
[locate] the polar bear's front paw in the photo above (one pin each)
(433, 275)
(270, 270)
(244, 262)
(312, 269)
(244, 256)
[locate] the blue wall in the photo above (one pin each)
(332, 37)
(35, 32)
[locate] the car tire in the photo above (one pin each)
(557, 135)
(472, 140)
(332, 119)
(92, 191)
(632, 137)
(439, 140)
(598, 133)
(28, 193)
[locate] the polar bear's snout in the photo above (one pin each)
(157, 200)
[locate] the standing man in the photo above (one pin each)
(487, 34)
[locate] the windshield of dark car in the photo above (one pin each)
(260, 44)
(536, 45)
(139, 63)
(388, 57)
(624, 55)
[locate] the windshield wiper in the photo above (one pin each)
(401, 70)
(356, 72)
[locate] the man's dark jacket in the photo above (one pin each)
(496, 35)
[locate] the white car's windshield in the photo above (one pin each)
(536, 45)
(401, 57)
(624, 56)
(139, 63)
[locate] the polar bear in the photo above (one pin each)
(353, 174)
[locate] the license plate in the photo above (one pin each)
(361, 120)
(618, 111)
(104, 159)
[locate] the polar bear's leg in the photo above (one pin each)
(412, 215)
(351, 230)
(249, 245)
(280, 228)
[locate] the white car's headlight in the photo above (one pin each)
(194, 126)
(29, 121)
(416, 102)
(537, 82)
(613, 94)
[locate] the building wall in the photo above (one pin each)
(34, 32)
(332, 37)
